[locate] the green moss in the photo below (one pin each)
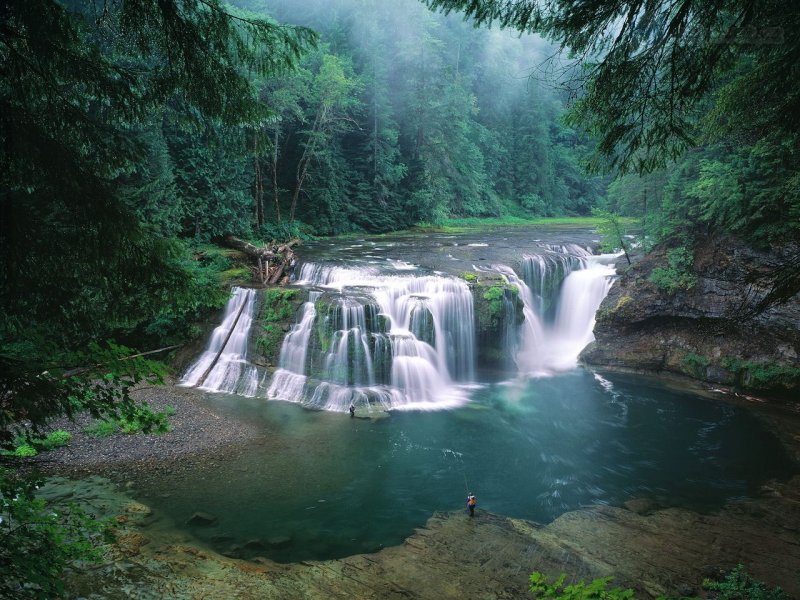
(694, 364)
(277, 305)
(469, 276)
(238, 274)
(270, 340)
(277, 309)
(762, 376)
(494, 295)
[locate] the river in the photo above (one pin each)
(544, 438)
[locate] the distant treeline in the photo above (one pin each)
(399, 116)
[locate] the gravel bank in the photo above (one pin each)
(197, 431)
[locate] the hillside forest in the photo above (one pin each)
(133, 134)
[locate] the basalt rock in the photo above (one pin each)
(498, 316)
(708, 331)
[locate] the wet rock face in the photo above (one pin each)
(498, 316)
(705, 332)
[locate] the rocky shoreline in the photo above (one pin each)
(654, 549)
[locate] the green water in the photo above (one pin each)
(335, 486)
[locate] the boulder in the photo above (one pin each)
(201, 519)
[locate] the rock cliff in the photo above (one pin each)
(707, 331)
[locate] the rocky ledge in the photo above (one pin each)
(656, 551)
(707, 331)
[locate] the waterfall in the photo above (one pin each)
(561, 291)
(396, 340)
(223, 367)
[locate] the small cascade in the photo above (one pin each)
(561, 291)
(396, 340)
(544, 274)
(223, 367)
(289, 381)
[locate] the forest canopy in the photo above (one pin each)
(133, 131)
(695, 104)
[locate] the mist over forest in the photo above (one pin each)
(399, 116)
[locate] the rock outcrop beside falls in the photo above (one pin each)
(498, 316)
(704, 332)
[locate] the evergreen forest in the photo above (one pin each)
(136, 137)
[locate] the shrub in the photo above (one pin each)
(39, 542)
(140, 419)
(740, 585)
(677, 275)
(103, 428)
(598, 589)
(55, 439)
(25, 451)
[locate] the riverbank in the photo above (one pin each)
(198, 431)
(656, 549)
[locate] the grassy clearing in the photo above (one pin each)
(471, 223)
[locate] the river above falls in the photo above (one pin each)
(319, 484)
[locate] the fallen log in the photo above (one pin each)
(272, 263)
(250, 249)
(214, 362)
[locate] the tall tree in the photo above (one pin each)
(78, 266)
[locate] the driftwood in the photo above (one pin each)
(272, 263)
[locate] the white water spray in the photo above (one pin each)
(223, 367)
(399, 341)
(569, 282)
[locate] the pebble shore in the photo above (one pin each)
(197, 431)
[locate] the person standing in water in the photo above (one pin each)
(352, 411)
(471, 502)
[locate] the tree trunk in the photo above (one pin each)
(275, 173)
(302, 164)
(258, 184)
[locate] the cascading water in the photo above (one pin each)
(223, 367)
(395, 338)
(400, 341)
(561, 290)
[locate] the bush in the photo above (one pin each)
(141, 419)
(25, 451)
(25, 447)
(55, 439)
(739, 585)
(678, 274)
(103, 428)
(598, 589)
(495, 297)
(38, 542)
